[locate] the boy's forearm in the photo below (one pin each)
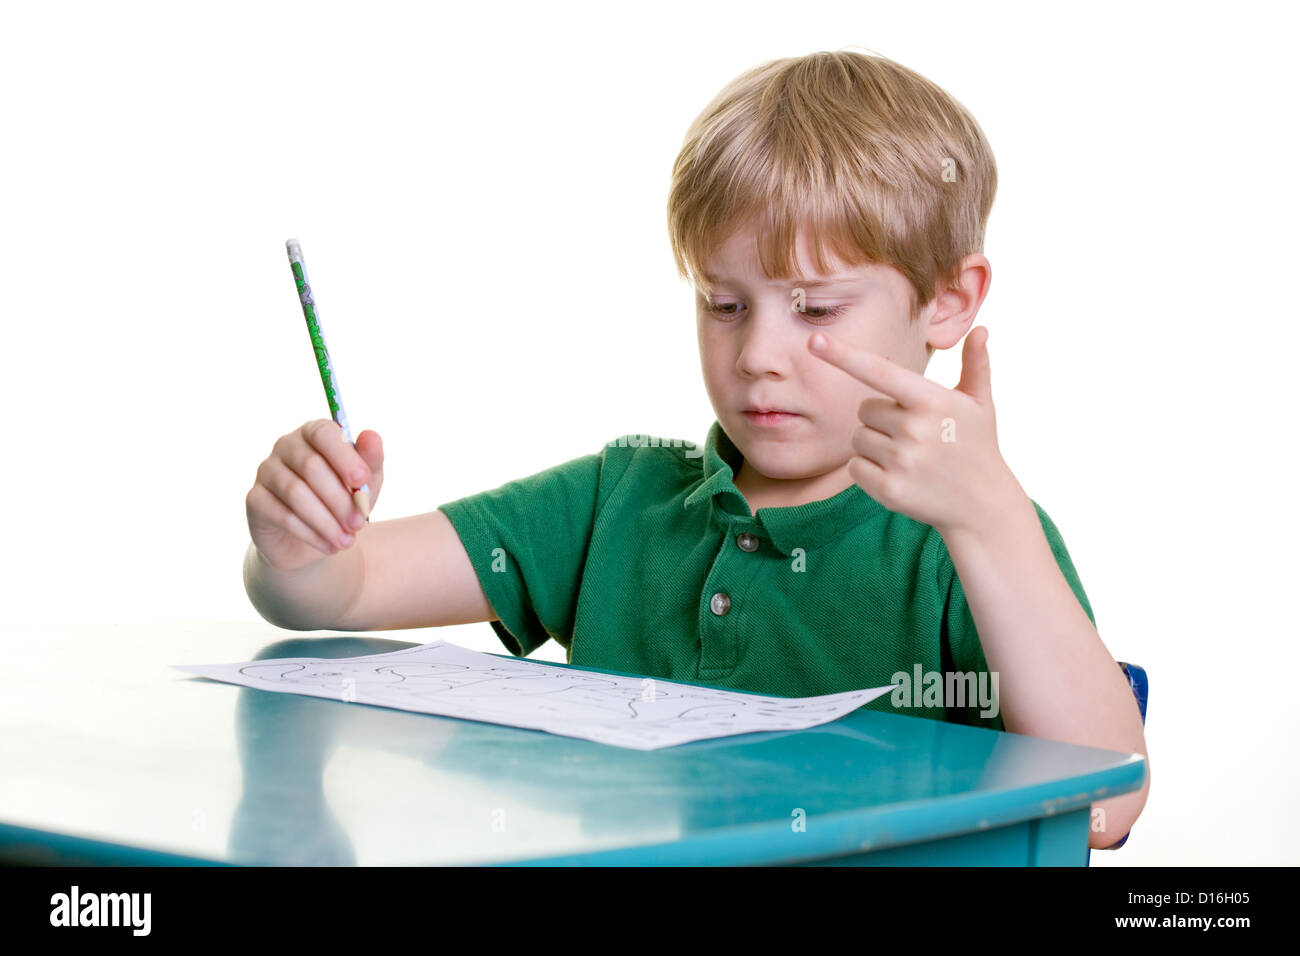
(1056, 679)
(310, 598)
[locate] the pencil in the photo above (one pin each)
(329, 378)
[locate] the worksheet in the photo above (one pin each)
(452, 681)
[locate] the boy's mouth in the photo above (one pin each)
(769, 416)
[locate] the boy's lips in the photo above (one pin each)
(769, 417)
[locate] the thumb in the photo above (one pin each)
(371, 449)
(975, 376)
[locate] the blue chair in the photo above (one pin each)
(1137, 679)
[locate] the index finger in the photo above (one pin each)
(326, 436)
(901, 384)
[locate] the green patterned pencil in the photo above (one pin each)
(328, 376)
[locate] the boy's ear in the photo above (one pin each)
(953, 309)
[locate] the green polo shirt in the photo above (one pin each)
(645, 558)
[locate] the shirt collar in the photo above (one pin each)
(806, 526)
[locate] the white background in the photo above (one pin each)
(480, 193)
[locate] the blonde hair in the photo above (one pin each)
(880, 163)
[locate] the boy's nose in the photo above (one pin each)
(766, 346)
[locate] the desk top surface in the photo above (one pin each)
(104, 740)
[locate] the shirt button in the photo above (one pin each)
(747, 542)
(720, 604)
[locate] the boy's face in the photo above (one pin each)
(754, 353)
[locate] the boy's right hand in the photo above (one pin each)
(300, 508)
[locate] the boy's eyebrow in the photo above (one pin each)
(796, 282)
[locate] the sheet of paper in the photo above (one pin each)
(453, 681)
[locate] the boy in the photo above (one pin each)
(848, 523)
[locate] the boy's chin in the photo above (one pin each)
(785, 461)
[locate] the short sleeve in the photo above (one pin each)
(527, 541)
(962, 649)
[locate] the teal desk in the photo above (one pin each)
(112, 757)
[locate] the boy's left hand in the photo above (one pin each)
(927, 451)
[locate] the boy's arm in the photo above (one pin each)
(309, 598)
(931, 453)
(1055, 677)
(415, 573)
(407, 572)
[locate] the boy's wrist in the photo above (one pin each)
(305, 598)
(1006, 510)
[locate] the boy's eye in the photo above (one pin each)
(823, 311)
